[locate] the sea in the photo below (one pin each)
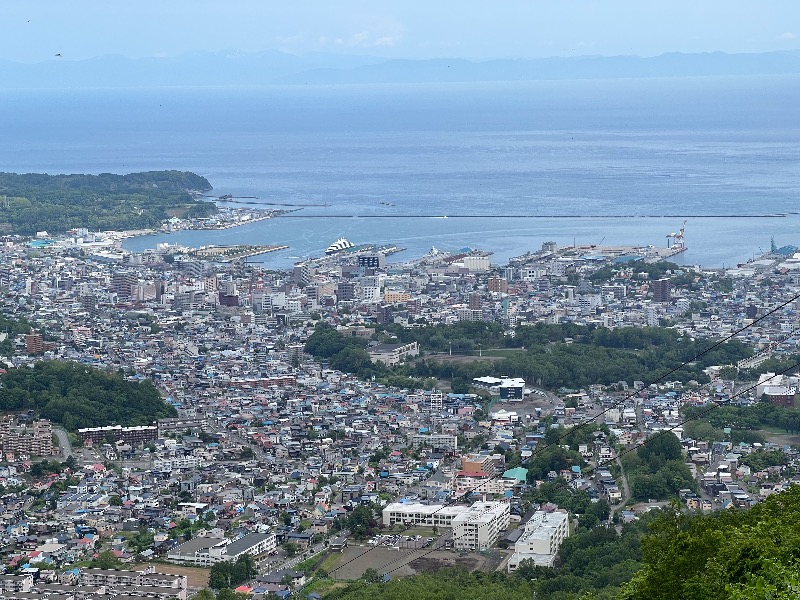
(501, 167)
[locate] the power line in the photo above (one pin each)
(618, 403)
(669, 430)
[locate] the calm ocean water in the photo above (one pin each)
(510, 165)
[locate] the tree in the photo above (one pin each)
(372, 576)
(460, 385)
(115, 501)
(106, 560)
(290, 548)
(142, 540)
(218, 578)
(243, 569)
(229, 594)
(204, 594)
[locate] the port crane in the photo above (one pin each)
(677, 240)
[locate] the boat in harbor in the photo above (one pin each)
(339, 245)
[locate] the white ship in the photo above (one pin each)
(339, 245)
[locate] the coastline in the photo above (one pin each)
(234, 224)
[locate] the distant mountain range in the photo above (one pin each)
(274, 67)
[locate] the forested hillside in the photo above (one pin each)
(78, 396)
(34, 202)
(551, 356)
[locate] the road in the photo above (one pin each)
(278, 563)
(63, 442)
(626, 490)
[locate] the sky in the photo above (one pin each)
(38, 30)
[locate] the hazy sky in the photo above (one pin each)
(36, 30)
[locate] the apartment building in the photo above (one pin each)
(479, 527)
(36, 440)
(542, 538)
(490, 464)
(477, 482)
(130, 435)
(15, 583)
(133, 579)
(441, 441)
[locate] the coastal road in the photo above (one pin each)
(63, 442)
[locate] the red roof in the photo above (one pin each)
(475, 474)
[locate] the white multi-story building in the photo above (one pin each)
(541, 540)
(171, 463)
(479, 527)
(392, 354)
(479, 483)
(416, 513)
(206, 551)
(15, 583)
(477, 263)
(146, 577)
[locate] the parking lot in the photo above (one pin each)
(398, 542)
(405, 562)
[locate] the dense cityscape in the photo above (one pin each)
(183, 419)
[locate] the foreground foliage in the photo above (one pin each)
(447, 584)
(77, 396)
(751, 554)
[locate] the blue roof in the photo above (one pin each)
(627, 258)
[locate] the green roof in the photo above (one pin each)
(519, 473)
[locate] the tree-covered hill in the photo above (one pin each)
(544, 356)
(78, 396)
(34, 202)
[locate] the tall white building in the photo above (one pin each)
(479, 527)
(541, 540)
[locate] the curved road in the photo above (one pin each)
(63, 442)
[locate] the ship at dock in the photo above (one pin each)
(346, 247)
(339, 245)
